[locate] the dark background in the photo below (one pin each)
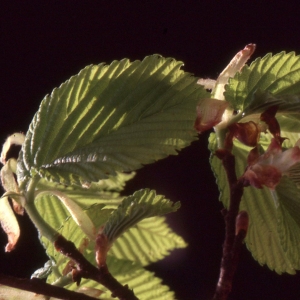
(44, 43)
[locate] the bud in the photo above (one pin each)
(241, 222)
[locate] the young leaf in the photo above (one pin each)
(105, 192)
(69, 230)
(15, 139)
(77, 213)
(133, 209)
(111, 118)
(127, 271)
(149, 241)
(9, 224)
(278, 74)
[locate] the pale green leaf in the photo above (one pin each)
(145, 285)
(51, 210)
(77, 213)
(111, 118)
(289, 219)
(149, 241)
(70, 231)
(133, 209)
(279, 74)
(105, 192)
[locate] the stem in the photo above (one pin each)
(38, 286)
(221, 135)
(44, 228)
(233, 242)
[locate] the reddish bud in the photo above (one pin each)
(241, 222)
(209, 114)
(247, 133)
(253, 156)
(102, 247)
(268, 117)
(259, 175)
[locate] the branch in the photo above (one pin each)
(234, 236)
(38, 286)
(86, 270)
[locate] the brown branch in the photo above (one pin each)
(233, 240)
(86, 270)
(38, 286)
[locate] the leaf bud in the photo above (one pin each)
(241, 222)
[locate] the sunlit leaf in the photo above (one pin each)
(279, 74)
(289, 219)
(111, 118)
(127, 269)
(133, 209)
(105, 192)
(149, 241)
(70, 231)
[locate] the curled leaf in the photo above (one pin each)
(207, 83)
(268, 117)
(15, 139)
(209, 113)
(10, 185)
(9, 224)
(268, 168)
(234, 66)
(77, 213)
(247, 133)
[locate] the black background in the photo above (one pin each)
(44, 43)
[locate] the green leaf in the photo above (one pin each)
(111, 118)
(127, 271)
(278, 74)
(133, 209)
(149, 241)
(273, 234)
(289, 219)
(144, 284)
(262, 237)
(70, 231)
(288, 113)
(105, 192)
